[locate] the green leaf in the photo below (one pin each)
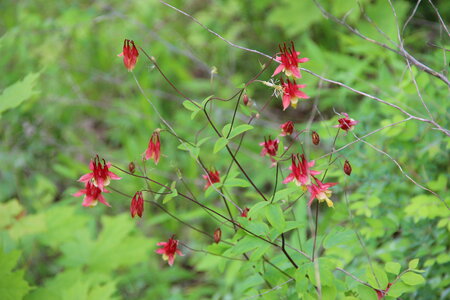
(174, 193)
(339, 236)
(193, 151)
(18, 92)
(413, 264)
(220, 144)
(392, 267)
(240, 129)
(412, 278)
(236, 182)
(12, 284)
(226, 129)
(206, 100)
(275, 217)
(189, 105)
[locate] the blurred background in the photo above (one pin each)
(65, 96)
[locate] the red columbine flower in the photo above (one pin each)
(346, 123)
(169, 250)
(92, 194)
(130, 54)
(269, 147)
(289, 62)
(291, 93)
(154, 147)
(287, 128)
(301, 171)
(321, 192)
(100, 175)
(137, 205)
(211, 177)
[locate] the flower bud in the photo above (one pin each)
(315, 138)
(217, 235)
(245, 100)
(131, 167)
(347, 168)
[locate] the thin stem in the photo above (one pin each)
(315, 230)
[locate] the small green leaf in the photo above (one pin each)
(392, 267)
(236, 182)
(18, 92)
(220, 144)
(240, 129)
(206, 100)
(226, 129)
(275, 217)
(174, 193)
(412, 278)
(413, 264)
(190, 105)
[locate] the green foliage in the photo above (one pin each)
(65, 97)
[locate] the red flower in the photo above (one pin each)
(245, 212)
(137, 205)
(269, 147)
(346, 123)
(130, 54)
(321, 192)
(92, 194)
(154, 147)
(300, 171)
(169, 250)
(289, 62)
(291, 93)
(100, 175)
(287, 128)
(211, 178)
(217, 235)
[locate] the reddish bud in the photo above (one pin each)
(217, 235)
(131, 167)
(245, 212)
(245, 99)
(137, 205)
(315, 138)
(347, 168)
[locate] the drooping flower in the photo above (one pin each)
(347, 168)
(269, 147)
(169, 250)
(246, 100)
(217, 235)
(137, 205)
(287, 128)
(100, 175)
(154, 147)
(130, 54)
(211, 178)
(291, 93)
(321, 192)
(301, 171)
(289, 60)
(92, 195)
(346, 123)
